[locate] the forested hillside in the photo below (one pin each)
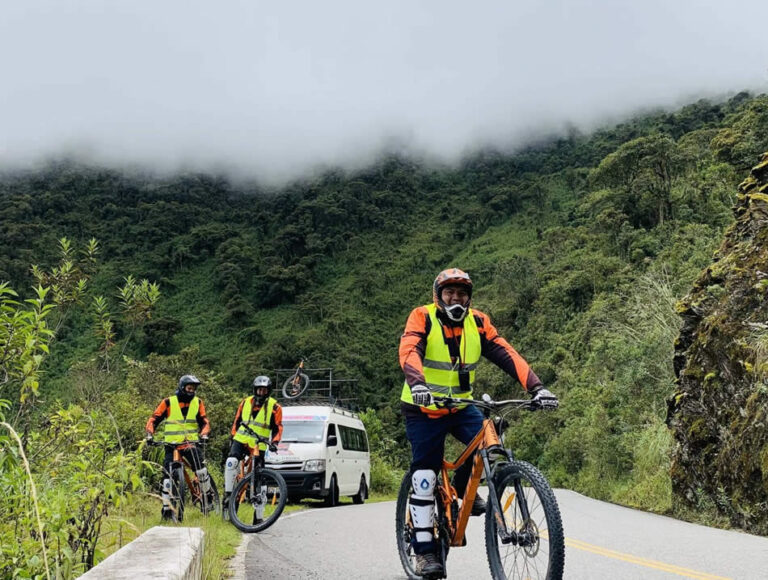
(579, 247)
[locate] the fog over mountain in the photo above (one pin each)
(273, 89)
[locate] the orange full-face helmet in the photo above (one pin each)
(452, 277)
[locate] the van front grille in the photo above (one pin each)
(280, 466)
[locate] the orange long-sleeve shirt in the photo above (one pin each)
(164, 409)
(275, 422)
(413, 345)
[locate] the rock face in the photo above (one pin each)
(719, 415)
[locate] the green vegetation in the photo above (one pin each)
(580, 248)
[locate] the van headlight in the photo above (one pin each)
(314, 465)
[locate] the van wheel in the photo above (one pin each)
(362, 493)
(332, 499)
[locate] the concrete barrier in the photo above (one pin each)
(160, 552)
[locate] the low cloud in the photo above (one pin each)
(272, 90)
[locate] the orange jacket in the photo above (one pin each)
(413, 344)
(164, 409)
(275, 422)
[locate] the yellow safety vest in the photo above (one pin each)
(259, 423)
(178, 428)
(440, 374)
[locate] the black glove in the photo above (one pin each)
(204, 439)
(545, 400)
(422, 396)
(273, 448)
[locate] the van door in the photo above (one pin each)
(346, 469)
(333, 458)
(354, 441)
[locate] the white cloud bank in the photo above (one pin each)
(271, 89)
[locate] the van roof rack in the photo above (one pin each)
(324, 390)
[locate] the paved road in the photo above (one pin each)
(602, 541)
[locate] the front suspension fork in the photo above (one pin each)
(506, 535)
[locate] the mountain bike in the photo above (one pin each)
(184, 477)
(523, 528)
(296, 385)
(259, 494)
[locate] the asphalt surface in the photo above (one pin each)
(602, 541)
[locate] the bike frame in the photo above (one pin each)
(246, 467)
(298, 372)
(192, 481)
(487, 443)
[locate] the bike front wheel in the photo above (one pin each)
(258, 500)
(529, 509)
(295, 386)
(178, 489)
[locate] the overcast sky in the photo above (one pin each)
(273, 89)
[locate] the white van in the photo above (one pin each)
(323, 453)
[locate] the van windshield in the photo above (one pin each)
(302, 431)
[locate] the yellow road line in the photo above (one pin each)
(680, 571)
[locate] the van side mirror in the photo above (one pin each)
(332, 441)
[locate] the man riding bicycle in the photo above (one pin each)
(439, 352)
(259, 415)
(184, 414)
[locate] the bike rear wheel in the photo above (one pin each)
(404, 529)
(538, 549)
(405, 534)
(258, 500)
(295, 386)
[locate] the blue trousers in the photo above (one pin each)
(427, 438)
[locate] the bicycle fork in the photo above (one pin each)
(259, 498)
(506, 535)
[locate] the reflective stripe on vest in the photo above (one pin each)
(259, 424)
(178, 428)
(440, 374)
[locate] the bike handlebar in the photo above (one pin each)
(259, 438)
(488, 403)
(155, 443)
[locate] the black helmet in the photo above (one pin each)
(181, 391)
(261, 382)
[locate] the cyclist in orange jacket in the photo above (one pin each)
(259, 415)
(182, 430)
(439, 352)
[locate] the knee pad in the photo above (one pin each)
(259, 507)
(422, 505)
(230, 473)
(423, 482)
(204, 478)
(166, 492)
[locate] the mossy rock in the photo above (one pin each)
(718, 416)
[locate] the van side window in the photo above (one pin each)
(353, 439)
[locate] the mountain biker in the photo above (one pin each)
(184, 414)
(439, 352)
(264, 416)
